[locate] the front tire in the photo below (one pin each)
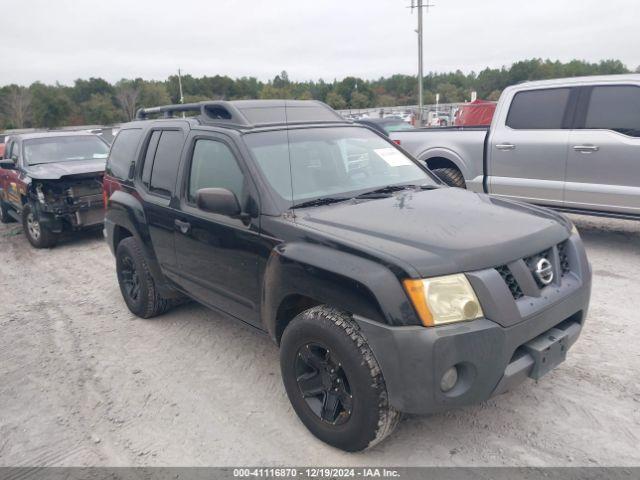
(333, 381)
(38, 235)
(136, 283)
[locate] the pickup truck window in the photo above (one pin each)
(313, 163)
(214, 166)
(165, 163)
(64, 149)
(615, 108)
(123, 153)
(538, 109)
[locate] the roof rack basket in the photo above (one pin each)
(250, 113)
(210, 110)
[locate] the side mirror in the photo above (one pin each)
(8, 163)
(218, 200)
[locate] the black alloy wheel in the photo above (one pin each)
(324, 383)
(130, 278)
(136, 282)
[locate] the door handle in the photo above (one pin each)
(505, 146)
(183, 227)
(586, 148)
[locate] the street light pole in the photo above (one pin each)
(420, 66)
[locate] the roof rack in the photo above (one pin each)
(250, 113)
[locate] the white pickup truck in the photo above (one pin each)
(572, 144)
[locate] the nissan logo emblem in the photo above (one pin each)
(544, 271)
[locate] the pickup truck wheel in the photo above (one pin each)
(451, 176)
(333, 380)
(136, 283)
(38, 235)
(4, 214)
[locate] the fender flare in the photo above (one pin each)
(334, 277)
(126, 211)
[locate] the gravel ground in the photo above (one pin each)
(83, 382)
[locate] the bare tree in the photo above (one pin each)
(127, 95)
(17, 106)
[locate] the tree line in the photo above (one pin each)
(96, 101)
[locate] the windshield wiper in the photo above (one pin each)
(385, 191)
(318, 202)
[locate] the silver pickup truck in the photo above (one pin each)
(572, 144)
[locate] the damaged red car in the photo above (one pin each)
(52, 182)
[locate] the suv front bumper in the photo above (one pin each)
(491, 357)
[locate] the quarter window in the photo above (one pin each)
(538, 109)
(214, 166)
(123, 153)
(165, 163)
(615, 108)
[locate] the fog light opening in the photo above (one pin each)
(449, 379)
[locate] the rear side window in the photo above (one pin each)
(214, 166)
(149, 156)
(538, 109)
(615, 108)
(123, 153)
(165, 164)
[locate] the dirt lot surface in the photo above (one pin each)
(83, 382)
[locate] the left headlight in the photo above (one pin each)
(442, 300)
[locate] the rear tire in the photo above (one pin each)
(451, 176)
(136, 283)
(4, 214)
(345, 401)
(38, 235)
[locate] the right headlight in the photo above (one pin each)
(442, 300)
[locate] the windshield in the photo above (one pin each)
(64, 149)
(330, 162)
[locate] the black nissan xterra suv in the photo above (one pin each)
(386, 291)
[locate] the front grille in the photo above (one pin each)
(511, 281)
(564, 258)
(531, 263)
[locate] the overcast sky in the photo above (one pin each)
(61, 40)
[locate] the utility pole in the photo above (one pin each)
(180, 86)
(420, 6)
(420, 66)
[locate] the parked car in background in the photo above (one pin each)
(2, 138)
(572, 144)
(386, 125)
(385, 290)
(438, 119)
(52, 181)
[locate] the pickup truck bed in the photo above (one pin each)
(570, 144)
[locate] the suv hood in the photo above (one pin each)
(55, 171)
(441, 231)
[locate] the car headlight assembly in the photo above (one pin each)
(443, 300)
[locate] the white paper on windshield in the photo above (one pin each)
(100, 155)
(393, 157)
